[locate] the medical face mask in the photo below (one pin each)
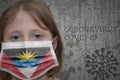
(27, 60)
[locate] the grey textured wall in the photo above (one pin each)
(91, 34)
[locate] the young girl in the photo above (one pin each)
(30, 20)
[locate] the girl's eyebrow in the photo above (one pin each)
(16, 31)
(13, 33)
(31, 31)
(34, 30)
(39, 30)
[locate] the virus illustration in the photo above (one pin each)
(102, 64)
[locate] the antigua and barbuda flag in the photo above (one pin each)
(27, 60)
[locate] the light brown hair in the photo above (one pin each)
(40, 12)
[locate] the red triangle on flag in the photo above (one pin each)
(42, 67)
(7, 64)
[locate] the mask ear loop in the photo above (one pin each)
(54, 43)
(1, 51)
(0, 46)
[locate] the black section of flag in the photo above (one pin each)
(16, 52)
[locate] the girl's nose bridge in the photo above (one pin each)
(26, 37)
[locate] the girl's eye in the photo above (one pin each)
(37, 36)
(15, 37)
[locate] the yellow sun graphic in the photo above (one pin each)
(27, 55)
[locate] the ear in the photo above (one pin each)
(54, 43)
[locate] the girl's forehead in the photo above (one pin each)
(22, 16)
(24, 20)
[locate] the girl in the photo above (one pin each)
(30, 20)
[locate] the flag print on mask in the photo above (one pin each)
(28, 62)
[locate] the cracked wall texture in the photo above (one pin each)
(90, 30)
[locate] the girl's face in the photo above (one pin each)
(24, 28)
